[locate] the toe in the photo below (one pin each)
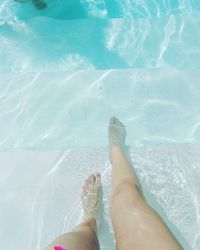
(89, 177)
(98, 179)
(113, 120)
(87, 182)
(92, 179)
(118, 122)
(121, 124)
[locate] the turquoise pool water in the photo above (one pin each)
(64, 71)
(73, 9)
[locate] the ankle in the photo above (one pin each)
(91, 223)
(117, 148)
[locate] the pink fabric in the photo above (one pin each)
(59, 248)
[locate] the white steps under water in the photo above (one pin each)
(44, 44)
(63, 72)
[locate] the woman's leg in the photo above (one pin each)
(136, 224)
(84, 236)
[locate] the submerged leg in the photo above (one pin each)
(84, 236)
(136, 224)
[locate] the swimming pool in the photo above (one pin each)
(63, 73)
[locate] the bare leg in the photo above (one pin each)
(84, 236)
(136, 224)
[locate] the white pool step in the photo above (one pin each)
(56, 110)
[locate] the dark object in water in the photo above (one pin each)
(39, 4)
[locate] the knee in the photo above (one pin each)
(127, 191)
(125, 186)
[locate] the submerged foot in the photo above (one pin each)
(116, 134)
(91, 196)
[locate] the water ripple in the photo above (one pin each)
(101, 44)
(48, 110)
(45, 199)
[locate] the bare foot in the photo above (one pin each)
(116, 134)
(91, 196)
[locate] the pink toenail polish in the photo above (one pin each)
(59, 248)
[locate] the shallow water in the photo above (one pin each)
(42, 44)
(63, 74)
(73, 9)
(43, 201)
(56, 110)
